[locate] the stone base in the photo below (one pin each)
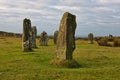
(44, 43)
(26, 46)
(34, 46)
(90, 42)
(65, 63)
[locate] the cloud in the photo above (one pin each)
(109, 1)
(90, 14)
(69, 8)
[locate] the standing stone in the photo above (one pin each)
(90, 38)
(34, 35)
(55, 37)
(26, 36)
(66, 37)
(43, 39)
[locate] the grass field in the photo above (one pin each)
(97, 62)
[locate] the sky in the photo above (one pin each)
(100, 17)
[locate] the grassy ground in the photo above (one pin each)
(97, 63)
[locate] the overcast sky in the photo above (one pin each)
(100, 17)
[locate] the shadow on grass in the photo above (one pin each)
(66, 63)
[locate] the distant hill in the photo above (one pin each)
(9, 34)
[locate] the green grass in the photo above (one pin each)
(97, 62)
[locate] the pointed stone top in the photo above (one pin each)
(68, 14)
(90, 34)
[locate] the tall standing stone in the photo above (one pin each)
(43, 39)
(26, 36)
(55, 37)
(66, 37)
(34, 35)
(90, 38)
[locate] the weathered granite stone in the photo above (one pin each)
(55, 37)
(43, 39)
(26, 36)
(66, 37)
(34, 35)
(90, 38)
